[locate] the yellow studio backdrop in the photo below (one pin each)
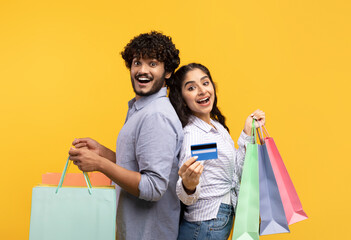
(62, 77)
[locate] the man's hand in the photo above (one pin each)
(190, 173)
(86, 160)
(88, 143)
(94, 146)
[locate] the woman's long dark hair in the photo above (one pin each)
(175, 95)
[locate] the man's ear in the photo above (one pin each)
(168, 75)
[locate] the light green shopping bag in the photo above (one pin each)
(246, 224)
(73, 213)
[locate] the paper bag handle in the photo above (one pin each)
(258, 133)
(253, 133)
(263, 132)
(86, 177)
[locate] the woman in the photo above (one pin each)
(209, 188)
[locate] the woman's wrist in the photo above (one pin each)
(247, 131)
(189, 191)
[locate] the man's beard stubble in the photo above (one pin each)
(157, 85)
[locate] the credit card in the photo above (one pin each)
(204, 151)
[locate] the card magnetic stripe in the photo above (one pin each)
(204, 151)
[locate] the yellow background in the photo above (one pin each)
(62, 77)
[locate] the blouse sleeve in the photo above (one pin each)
(185, 154)
(184, 197)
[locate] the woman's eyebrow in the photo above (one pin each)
(188, 82)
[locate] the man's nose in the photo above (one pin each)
(143, 69)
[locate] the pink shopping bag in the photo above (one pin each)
(291, 202)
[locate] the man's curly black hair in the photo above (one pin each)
(152, 45)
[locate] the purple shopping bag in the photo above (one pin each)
(273, 219)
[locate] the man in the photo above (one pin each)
(145, 164)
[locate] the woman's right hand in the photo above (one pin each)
(260, 118)
(190, 173)
(88, 143)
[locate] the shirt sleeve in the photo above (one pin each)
(184, 197)
(155, 152)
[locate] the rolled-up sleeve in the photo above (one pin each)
(184, 197)
(185, 154)
(155, 154)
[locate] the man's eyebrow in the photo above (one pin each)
(150, 59)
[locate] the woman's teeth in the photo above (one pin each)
(205, 100)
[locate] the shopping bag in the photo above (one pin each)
(291, 202)
(273, 219)
(246, 223)
(73, 213)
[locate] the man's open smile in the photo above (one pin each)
(144, 79)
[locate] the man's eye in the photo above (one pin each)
(153, 64)
(136, 63)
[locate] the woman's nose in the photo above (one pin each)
(201, 91)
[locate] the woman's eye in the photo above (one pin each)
(206, 83)
(191, 88)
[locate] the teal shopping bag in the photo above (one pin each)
(246, 223)
(72, 213)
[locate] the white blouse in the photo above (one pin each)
(219, 177)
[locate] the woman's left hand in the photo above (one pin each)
(259, 116)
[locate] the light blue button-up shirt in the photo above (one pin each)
(149, 143)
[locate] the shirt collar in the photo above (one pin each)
(143, 101)
(204, 126)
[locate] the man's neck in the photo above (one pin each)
(137, 97)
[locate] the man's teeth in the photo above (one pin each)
(144, 79)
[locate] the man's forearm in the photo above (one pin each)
(108, 153)
(126, 179)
